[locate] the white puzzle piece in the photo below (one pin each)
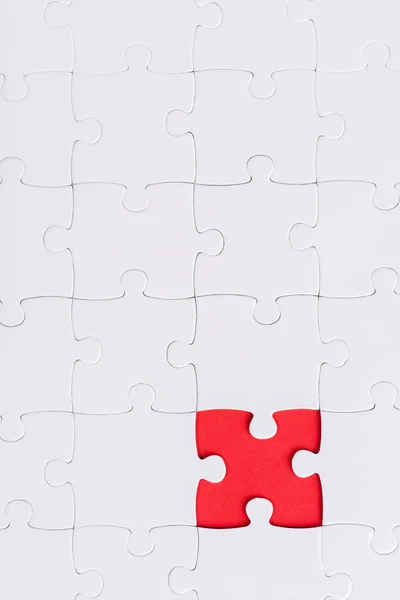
(37, 359)
(25, 214)
(39, 563)
(352, 238)
(241, 364)
(360, 454)
(103, 31)
(139, 471)
(161, 240)
(27, 45)
(285, 126)
(45, 114)
(346, 548)
(48, 436)
(368, 325)
(368, 99)
(134, 331)
(259, 561)
(256, 36)
(343, 29)
(135, 149)
(255, 219)
(128, 576)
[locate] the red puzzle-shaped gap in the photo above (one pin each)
(258, 468)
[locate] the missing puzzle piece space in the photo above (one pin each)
(258, 468)
(259, 560)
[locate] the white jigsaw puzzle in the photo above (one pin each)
(199, 299)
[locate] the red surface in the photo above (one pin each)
(258, 469)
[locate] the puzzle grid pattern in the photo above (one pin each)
(199, 212)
